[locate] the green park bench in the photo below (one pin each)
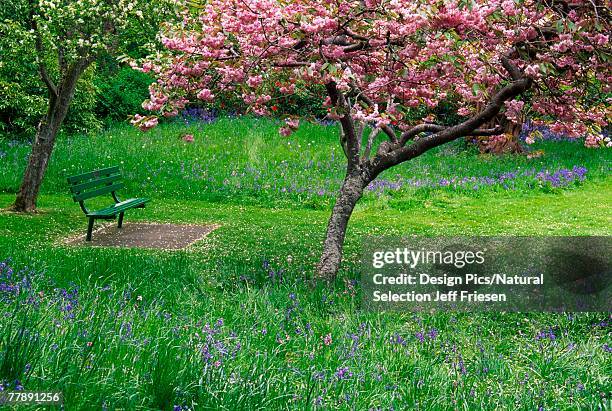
(96, 184)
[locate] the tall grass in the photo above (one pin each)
(283, 345)
(246, 161)
(234, 323)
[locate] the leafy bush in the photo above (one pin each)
(20, 111)
(121, 93)
(22, 94)
(303, 102)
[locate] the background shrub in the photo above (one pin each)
(121, 92)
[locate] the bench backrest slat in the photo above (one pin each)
(97, 192)
(95, 183)
(77, 188)
(93, 175)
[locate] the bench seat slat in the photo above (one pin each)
(119, 207)
(98, 192)
(93, 174)
(77, 188)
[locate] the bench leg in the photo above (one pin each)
(89, 229)
(120, 220)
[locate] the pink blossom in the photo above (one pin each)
(532, 70)
(292, 123)
(206, 95)
(149, 124)
(136, 119)
(601, 39)
(144, 123)
(514, 110)
(463, 111)
(405, 55)
(254, 81)
(188, 138)
(509, 7)
(285, 131)
(289, 89)
(593, 140)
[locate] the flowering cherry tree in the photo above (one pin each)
(67, 37)
(382, 61)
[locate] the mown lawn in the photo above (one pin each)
(233, 322)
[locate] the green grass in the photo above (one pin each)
(144, 330)
(246, 161)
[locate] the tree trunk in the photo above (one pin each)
(59, 101)
(35, 170)
(509, 144)
(350, 193)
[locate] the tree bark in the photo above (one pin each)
(35, 170)
(350, 193)
(511, 131)
(59, 101)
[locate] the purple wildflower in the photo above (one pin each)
(398, 339)
(319, 376)
(546, 334)
(343, 373)
(125, 331)
(432, 334)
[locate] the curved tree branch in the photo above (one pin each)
(392, 155)
(38, 45)
(435, 128)
(350, 140)
(385, 128)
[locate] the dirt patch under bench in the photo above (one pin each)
(146, 235)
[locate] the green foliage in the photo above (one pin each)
(307, 101)
(22, 94)
(23, 106)
(121, 93)
(81, 116)
(20, 111)
(18, 347)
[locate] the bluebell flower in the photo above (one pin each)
(343, 373)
